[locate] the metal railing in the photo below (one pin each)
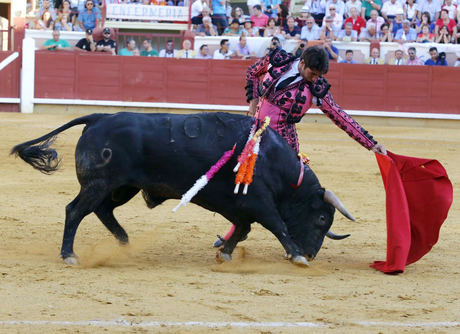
(6, 39)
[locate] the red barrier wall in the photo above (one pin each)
(9, 81)
(355, 87)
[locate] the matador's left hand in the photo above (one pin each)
(380, 149)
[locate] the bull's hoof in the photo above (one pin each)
(300, 261)
(223, 257)
(71, 260)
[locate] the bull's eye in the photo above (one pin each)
(322, 219)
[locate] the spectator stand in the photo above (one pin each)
(158, 39)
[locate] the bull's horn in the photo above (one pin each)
(334, 236)
(332, 199)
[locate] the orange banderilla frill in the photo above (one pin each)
(248, 158)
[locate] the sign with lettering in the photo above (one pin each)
(146, 12)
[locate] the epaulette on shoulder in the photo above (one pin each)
(280, 57)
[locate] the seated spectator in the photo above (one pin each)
(357, 21)
(413, 59)
(204, 52)
(390, 8)
(130, 48)
(368, 6)
(271, 8)
(56, 43)
(425, 21)
(328, 30)
(385, 33)
(311, 32)
(63, 23)
(238, 13)
(46, 16)
(249, 30)
(396, 24)
(291, 31)
(87, 43)
(224, 51)
(148, 51)
(332, 51)
(251, 4)
(302, 19)
(410, 11)
(425, 36)
(317, 9)
(443, 36)
(433, 8)
(242, 48)
(435, 58)
(106, 44)
(337, 19)
(369, 34)
(348, 57)
(168, 51)
(67, 10)
(348, 34)
(196, 11)
(376, 20)
(259, 18)
(398, 59)
(271, 29)
(234, 29)
(406, 34)
(445, 21)
(451, 7)
(186, 51)
(301, 46)
(90, 17)
(206, 28)
(374, 59)
(339, 6)
(219, 15)
(356, 4)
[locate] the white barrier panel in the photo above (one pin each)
(28, 75)
(146, 12)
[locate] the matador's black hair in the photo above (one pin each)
(316, 58)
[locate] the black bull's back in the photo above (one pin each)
(164, 154)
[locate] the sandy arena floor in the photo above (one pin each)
(168, 274)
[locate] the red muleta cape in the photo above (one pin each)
(418, 197)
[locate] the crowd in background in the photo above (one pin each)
(412, 21)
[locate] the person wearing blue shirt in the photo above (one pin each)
(271, 7)
(90, 16)
(406, 34)
(436, 59)
(348, 58)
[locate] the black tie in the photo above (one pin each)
(186, 54)
(286, 82)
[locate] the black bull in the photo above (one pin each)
(163, 155)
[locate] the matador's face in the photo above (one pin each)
(307, 73)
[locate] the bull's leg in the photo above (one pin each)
(275, 224)
(105, 211)
(241, 230)
(86, 202)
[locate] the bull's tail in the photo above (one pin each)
(40, 155)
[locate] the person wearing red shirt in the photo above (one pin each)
(259, 18)
(445, 21)
(357, 21)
